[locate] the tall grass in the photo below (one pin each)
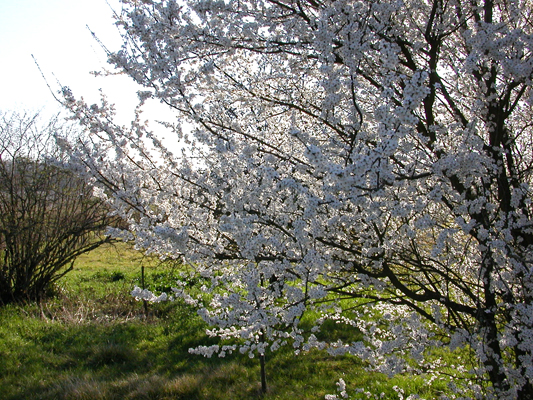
(93, 341)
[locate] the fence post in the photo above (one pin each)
(145, 303)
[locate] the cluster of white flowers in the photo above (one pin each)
(145, 294)
(341, 388)
(375, 152)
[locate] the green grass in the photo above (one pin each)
(93, 341)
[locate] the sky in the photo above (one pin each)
(55, 32)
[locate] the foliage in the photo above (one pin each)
(48, 215)
(378, 151)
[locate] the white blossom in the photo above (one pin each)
(367, 163)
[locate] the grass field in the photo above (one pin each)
(92, 340)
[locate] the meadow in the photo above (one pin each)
(91, 340)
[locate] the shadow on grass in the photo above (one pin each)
(105, 348)
(133, 359)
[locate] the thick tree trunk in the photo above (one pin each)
(526, 392)
(493, 362)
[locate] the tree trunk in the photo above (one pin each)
(263, 373)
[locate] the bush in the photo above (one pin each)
(48, 215)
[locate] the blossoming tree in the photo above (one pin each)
(342, 156)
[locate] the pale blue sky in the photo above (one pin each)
(55, 32)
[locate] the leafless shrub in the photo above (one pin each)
(48, 215)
